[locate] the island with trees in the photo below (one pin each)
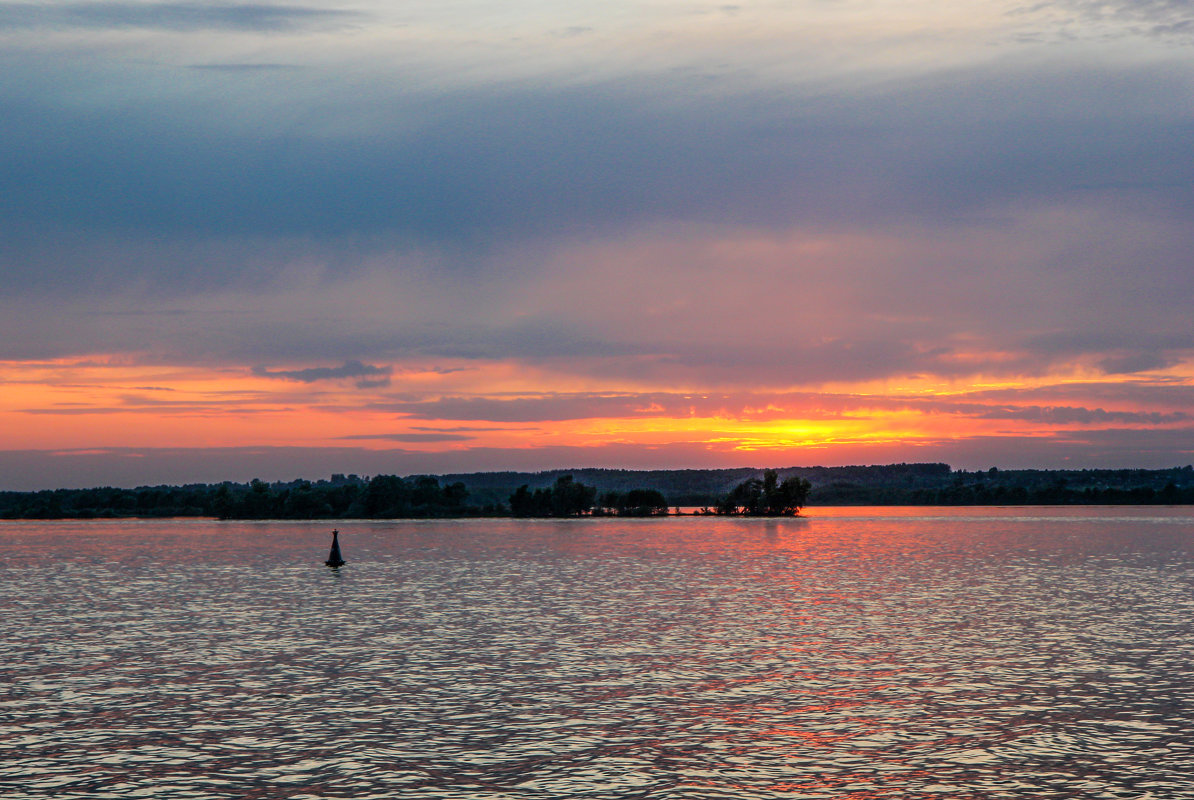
(768, 497)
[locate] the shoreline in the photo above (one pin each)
(807, 513)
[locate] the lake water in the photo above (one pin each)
(855, 653)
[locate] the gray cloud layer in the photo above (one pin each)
(524, 161)
(257, 17)
(1165, 16)
(365, 375)
(1057, 199)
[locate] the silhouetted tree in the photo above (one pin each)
(642, 503)
(766, 497)
(521, 504)
(571, 498)
(565, 498)
(386, 495)
(426, 494)
(455, 495)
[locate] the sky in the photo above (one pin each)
(289, 239)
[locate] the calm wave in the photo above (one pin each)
(857, 653)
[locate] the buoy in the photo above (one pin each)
(334, 557)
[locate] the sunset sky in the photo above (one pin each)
(283, 240)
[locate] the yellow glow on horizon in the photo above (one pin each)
(109, 402)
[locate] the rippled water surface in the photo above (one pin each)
(856, 653)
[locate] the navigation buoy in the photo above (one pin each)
(334, 557)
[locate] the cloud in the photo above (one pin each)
(550, 407)
(463, 429)
(210, 405)
(1160, 16)
(178, 16)
(762, 406)
(785, 237)
(559, 407)
(558, 158)
(1168, 395)
(1070, 415)
(708, 308)
(411, 438)
(367, 376)
(242, 67)
(1128, 363)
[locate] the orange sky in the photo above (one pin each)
(470, 410)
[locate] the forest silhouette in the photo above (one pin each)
(604, 492)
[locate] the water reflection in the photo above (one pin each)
(854, 654)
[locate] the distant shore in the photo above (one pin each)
(605, 493)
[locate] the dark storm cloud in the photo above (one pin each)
(257, 17)
(366, 375)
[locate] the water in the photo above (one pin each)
(858, 653)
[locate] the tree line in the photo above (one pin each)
(571, 498)
(609, 493)
(343, 497)
(380, 497)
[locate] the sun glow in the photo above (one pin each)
(84, 405)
